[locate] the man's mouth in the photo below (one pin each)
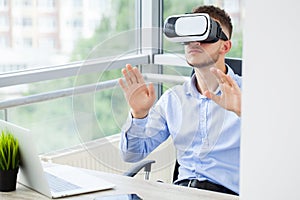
(195, 50)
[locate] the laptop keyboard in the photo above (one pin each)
(59, 185)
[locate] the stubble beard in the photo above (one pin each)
(206, 61)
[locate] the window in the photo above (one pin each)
(77, 3)
(47, 43)
(96, 29)
(23, 3)
(3, 4)
(4, 41)
(232, 6)
(78, 31)
(27, 42)
(46, 4)
(4, 23)
(26, 22)
(27, 2)
(52, 42)
(47, 24)
(15, 67)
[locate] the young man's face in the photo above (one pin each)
(206, 54)
(202, 54)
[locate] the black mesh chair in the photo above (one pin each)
(235, 64)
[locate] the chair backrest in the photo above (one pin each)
(236, 66)
(175, 172)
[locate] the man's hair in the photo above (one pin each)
(218, 14)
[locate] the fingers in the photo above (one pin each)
(132, 75)
(223, 78)
(127, 75)
(151, 91)
(122, 84)
(231, 82)
(212, 96)
(139, 77)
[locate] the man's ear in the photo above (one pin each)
(226, 46)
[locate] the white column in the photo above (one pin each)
(270, 158)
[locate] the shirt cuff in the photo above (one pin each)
(133, 122)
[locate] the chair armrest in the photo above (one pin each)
(146, 164)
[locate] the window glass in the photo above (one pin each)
(36, 34)
(4, 23)
(74, 26)
(3, 4)
(69, 31)
(68, 121)
(4, 41)
(46, 4)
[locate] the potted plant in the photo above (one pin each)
(9, 161)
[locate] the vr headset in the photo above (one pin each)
(193, 27)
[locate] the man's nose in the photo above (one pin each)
(192, 43)
(195, 43)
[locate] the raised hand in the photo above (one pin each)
(139, 97)
(230, 99)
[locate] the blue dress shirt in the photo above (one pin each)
(206, 136)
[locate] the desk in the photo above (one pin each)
(148, 190)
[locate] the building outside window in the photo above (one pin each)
(43, 38)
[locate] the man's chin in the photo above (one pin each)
(199, 65)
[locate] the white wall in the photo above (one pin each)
(270, 158)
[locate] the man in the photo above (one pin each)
(202, 116)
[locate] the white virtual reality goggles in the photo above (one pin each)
(193, 27)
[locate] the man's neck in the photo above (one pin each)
(206, 80)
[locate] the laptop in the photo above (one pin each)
(52, 180)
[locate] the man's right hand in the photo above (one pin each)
(139, 97)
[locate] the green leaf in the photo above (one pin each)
(9, 151)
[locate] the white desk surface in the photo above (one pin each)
(148, 190)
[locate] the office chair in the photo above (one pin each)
(146, 164)
(236, 65)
